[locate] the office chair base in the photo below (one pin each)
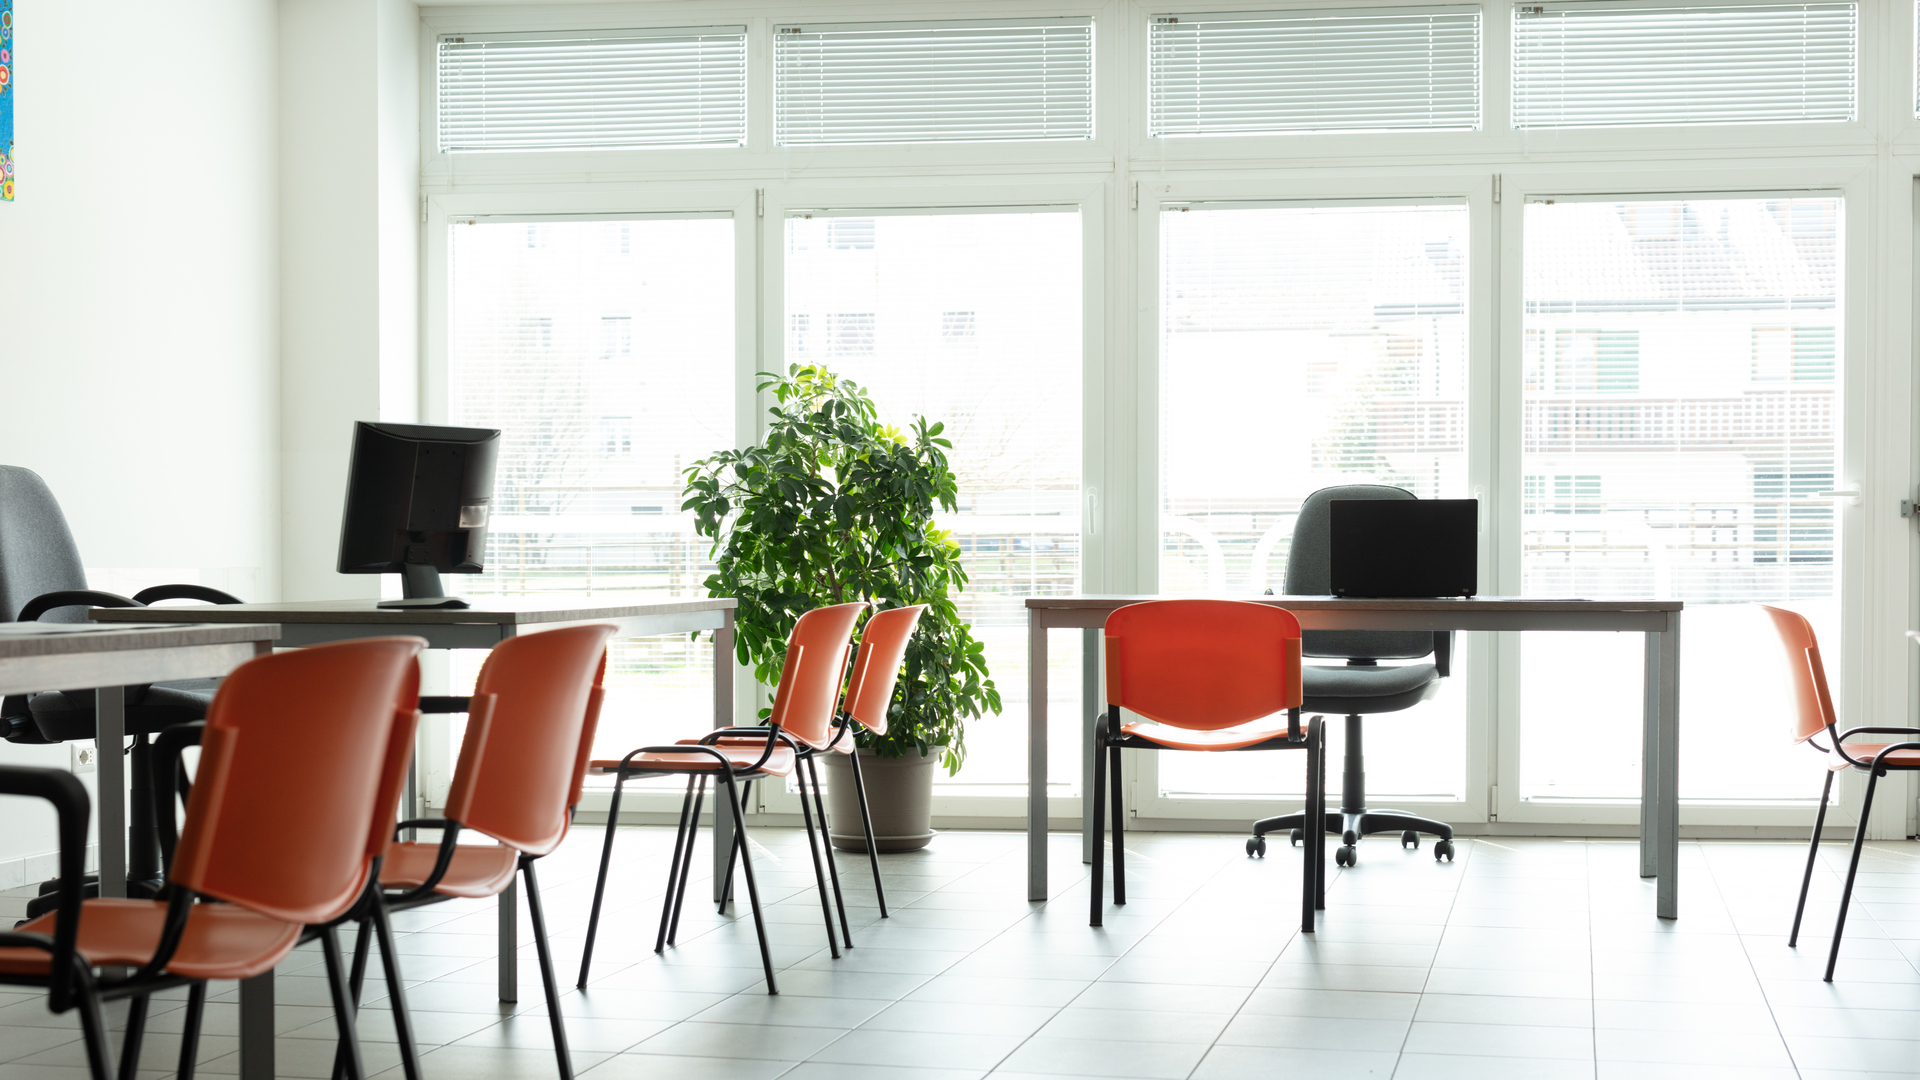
(49, 896)
(1354, 824)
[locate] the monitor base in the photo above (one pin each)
(426, 602)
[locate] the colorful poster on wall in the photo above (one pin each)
(6, 100)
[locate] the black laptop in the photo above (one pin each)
(1405, 547)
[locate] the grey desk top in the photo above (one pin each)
(494, 610)
(1330, 603)
(22, 640)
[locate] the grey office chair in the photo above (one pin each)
(1363, 687)
(42, 579)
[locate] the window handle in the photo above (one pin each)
(1852, 495)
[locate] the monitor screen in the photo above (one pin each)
(1405, 547)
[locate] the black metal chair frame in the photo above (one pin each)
(680, 868)
(1313, 887)
(1875, 768)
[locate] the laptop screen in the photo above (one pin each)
(1405, 547)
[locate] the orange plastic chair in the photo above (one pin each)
(530, 727)
(1203, 675)
(802, 722)
(289, 853)
(876, 670)
(1814, 715)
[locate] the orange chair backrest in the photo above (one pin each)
(809, 690)
(296, 777)
(1812, 704)
(883, 646)
(1203, 664)
(521, 759)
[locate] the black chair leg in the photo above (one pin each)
(866, 826)
(1813, 854)
(1118, 794)
(1098, 884)
(356, 982)
(1308, 885)
(382, 926)
(1853, 868)
(93, 1026)
(753, 891)
(819, 875)
(686, 861)
(680, 842)
(136, 1034)
(558, 1022)
(600, 882)
(190, 1031)
(343, 1015)
(1319, 836)
(826, 843)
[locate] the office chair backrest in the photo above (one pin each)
(883, 646)
(1812, 704)
(521, 759)
(809, 690)
(1310, 573)
(300, 769)
(1203, 664)
(37, 552)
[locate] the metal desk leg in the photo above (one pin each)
(1668, 848)
(722, 717)
(1037, 757)
(256, 1027)
(1089, 705)
(111, 712)
(1650, 757)
(509, 915)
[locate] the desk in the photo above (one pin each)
(1659, 620)
(487, 623)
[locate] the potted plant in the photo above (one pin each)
(834, 506)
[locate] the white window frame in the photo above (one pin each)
(1873, 161)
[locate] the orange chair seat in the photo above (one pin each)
(477, 870)
(1905, 759)
(1233, 738)
(779, 763)
(222, 941)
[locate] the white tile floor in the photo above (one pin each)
(1526, 958)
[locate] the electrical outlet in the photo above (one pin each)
(85, 757)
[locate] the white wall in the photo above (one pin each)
(349, 158)
(138, 295)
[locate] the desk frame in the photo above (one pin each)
(1658, 620)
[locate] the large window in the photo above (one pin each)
(1679, 424)
(972, 319)
(604, 352)
(1303, 347)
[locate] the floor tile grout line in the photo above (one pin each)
(1460, 879)
(1706, 861)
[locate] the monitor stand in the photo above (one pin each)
(420, 582)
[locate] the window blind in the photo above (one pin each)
(1314, 71)
(593, 90)
(1018, 80)
(1642, 63)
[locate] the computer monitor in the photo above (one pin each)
(417, 504)
(1404, 547)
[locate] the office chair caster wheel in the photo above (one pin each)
(1344, 855)
(1257, 846)
(1294, 838)
(1410, 839)
(1443, 850)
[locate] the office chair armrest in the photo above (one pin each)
(1443, 653)
(158, 593)
(1851, 732)
(72, 807)
(170, 778)
(53, 601)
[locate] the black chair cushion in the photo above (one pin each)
(67, 715)
(1362, 690)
